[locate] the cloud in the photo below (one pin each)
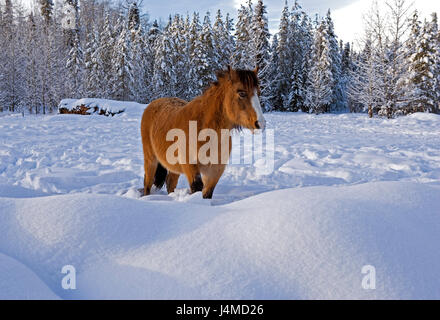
(349, 25)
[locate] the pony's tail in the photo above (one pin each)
(160, 176)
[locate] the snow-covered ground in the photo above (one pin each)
(346, 192)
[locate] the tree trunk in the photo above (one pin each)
(370, 111)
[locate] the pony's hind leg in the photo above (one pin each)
(210, 180)
(150, 168)
(171, 182)
(194, 178)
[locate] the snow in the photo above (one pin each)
(17, 282)
(102, 104)
(279, 245)
(346, 192)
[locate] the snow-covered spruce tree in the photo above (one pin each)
(261, 49)
(152, 38)
(243, 53)
(434, 39)
(138, 53)
(103, 57)
(307, 41)
(211, 61)
(32, 100)
(435, 34)
(199, 62)
(421, 68)
(274, 78)
(51, 63)
(298, 46)
(320, 87)
(223, 42)
(410, 50)
(179, 55)
(134, 19)
(163, 66)
(12, 89)
(284, 70)
(139, 58)
(122, 81)
(46, 9)
(71, 22)
(75, 67)
(337, 103)
(91, 66)
(347, 68)
(230, 43)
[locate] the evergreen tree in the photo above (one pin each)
(243, 53)
(297, 52)
(283, 52)
(223, 41)
(71, 23)
(211, 60)
(163, 66)
(12, 78)
(422, 58)
(122, 82)
(103, 57)
(151, 44)
(274, 100)
(75, 65)
(321, 82)
(46, 9)
(91, 66)
(434, 36)
(337, 103)
(32, 64)
(199, 64)
(261, 49)
(134, 19)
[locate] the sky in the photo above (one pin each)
(347, 14)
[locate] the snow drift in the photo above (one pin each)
(354, 192)
(292, 244)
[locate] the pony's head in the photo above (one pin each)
(241, 100)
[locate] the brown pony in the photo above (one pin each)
(230, 102)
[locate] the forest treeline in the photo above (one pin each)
(92, 48)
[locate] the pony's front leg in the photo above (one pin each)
(210, 180)
(172, 180)
(150, 167)
(192, 173)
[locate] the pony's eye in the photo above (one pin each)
(242, 94)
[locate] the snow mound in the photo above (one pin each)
(425, 116)
(309, 243)
(17, 282)
(101, 105)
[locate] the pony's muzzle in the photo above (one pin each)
(260, 124)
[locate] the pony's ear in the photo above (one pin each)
(223, 74)
(257, 68)
(229, 72)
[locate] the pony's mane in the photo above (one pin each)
(246, 77)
